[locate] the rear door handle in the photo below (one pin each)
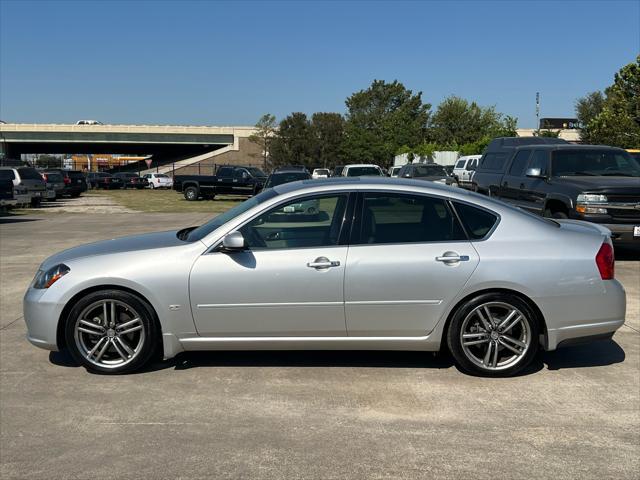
(322, 263)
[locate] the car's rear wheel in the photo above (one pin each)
(191, 194)
(494, 334)
(111, 331)
(152, 186)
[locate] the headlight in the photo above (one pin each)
(587, 203)
(46, 279)
(591, 198)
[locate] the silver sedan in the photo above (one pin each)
(383, 264)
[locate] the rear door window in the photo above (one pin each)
(7, 175)
(404, 218)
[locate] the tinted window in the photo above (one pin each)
(225, 172)
(7, 175)
(460, 164)
(428, 171)
(363, 172)
(29, 174)
(494, 161)
(476, 221)
(401, 218)
(256, 172)
(281, 178)
(313, 221)
(161, 175)
(540, 159)
(519, 163)
(594, 162)
(54, 177)
(75, 174)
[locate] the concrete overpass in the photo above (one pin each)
(187, 145)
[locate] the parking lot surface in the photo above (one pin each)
(576, 414)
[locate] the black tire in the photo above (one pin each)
(75, 195)
(149, 326)
(191, 194)
(466, 360)
(559, 215)
(36, 202)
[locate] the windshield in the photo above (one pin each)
(202, 231)
(54, 177)
(593, 162)
(280, 178)
(429, 171)
(256, 172)
(364, 172)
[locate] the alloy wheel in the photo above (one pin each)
(495, 336)
(109, 333)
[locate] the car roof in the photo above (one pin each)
(361, 165)
(568, 146)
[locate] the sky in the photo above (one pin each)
(227, 63)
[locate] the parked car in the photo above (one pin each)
(88, 122)
(287, 176)
(54, 182)
(74, 181)
(414, 266)
(29, 179)
(321, 173)
(228, 180)
(132, 180)
(635, 153)
(158, 180)
(597, 184)
(362, 170)
(424, 171)
(464, 169)
(393, 171)
(104, 180)
(7, 197)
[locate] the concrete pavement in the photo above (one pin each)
(575, 414)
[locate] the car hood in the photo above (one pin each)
(602, 184)
(116, 245)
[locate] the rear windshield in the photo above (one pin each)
(428, 171)
(54, 177)
(29, 173)
(126, 175)
(280, 178)
(363, 172)
(7, 175)
(75, 174)
(322, 171)
(600, 162)
(161, 175)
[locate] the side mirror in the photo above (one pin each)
(233, 242)
(534, 173)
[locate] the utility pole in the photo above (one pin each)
(537, 110)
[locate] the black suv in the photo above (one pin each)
(556, 179)
(74, 181)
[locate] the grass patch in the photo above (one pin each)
(168, 201)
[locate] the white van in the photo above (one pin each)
(464, 169)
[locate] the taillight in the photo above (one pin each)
(44, 176)
(107, 180)
(67, 180)
(605, 260)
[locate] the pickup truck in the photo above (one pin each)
(228, 180)
(556, 179)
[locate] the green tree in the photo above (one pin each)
(616, 121)
(381, 119)
(263, 136)
(328, 131)
(294, 142)
(457, 121)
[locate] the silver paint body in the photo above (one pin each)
(395, 297)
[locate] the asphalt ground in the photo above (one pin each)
(574, 414)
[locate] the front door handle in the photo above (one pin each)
(450, 258)
(322, 263)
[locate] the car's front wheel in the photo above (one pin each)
(493, 334)
(191, 194)
(111, 331)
